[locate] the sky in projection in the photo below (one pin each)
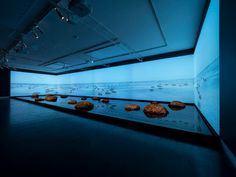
(165, 69)
(32, 78)
(207, 49)
(165, 80)
(206, 63)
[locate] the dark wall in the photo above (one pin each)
(4, 82)
(228, 73)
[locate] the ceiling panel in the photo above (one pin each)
(60, 38)
(133, 21)
(115, 31)
(12, 12)
(111, 51)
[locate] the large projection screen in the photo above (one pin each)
(25, 84)
(163, 80)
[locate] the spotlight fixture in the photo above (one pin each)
(20, 46)
(90, 60)
(35, 34)
(38, 29)
(24, 45)
(59, 14)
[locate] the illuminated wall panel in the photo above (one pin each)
(206, 63)
(24, 84)
(163, 80)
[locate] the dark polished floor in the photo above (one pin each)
(37, 141)
(188, 119)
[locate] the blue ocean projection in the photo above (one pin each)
(24, 89)
(163, 90)
(206, 63)
(207, 90)
(163, 80)
(25, 84)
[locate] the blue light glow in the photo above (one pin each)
(206, 62)
(190, 79)
(23, 84)
(32, 78)
(165, 69)
(163, 80)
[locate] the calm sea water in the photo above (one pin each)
(207, 93)
(166, 90)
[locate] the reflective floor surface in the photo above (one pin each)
(187, 119)
(40, 142)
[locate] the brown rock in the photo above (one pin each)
(35, 95)
(84, 106)
(176, 105)
(51, 98)
(72, 102)
(132, 107)
(155, 111)
(96, 98)
(105, 100)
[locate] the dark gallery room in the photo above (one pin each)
(117, 88)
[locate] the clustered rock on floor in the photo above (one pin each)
(35, 95)
(155, 110)
(152, 110)
(176, 105)
(96, 98)
(51, 98)
(84, 106)
(105, 100)
(132, 107)
(72, 102)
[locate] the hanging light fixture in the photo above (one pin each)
(90, 60)
(38, 29)
(24, 44)
(59, 14)
(35, 34)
